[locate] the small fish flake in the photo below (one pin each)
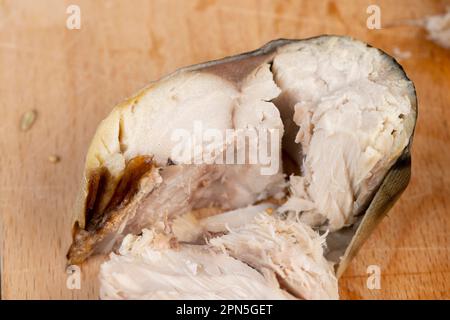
(401, 55)
(438, 28)
(54, 158)
(28, 119)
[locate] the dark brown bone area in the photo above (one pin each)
(126, 188)
(102, 223)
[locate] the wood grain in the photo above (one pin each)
(74, 77)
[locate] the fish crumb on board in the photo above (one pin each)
(28, 119)
(400, 54)
(54, 158)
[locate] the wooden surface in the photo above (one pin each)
(74, 77)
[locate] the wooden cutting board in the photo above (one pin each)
(74, 77)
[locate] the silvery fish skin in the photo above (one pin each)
(111, 193)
